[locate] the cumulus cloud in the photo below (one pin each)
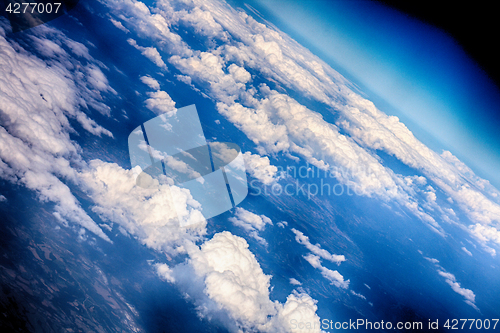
(282, 224)
(239, 74)
(298, 308)
(203, 22)
(147, 213)
(249, 220)
(234, 279)
(260, 168)
(119, 25)
(160, 102)
(314, 258)
(432, 260)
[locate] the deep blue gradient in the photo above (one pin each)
(407, 68)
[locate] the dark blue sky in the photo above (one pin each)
(407, 68)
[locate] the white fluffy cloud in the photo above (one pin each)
(260, 168)
(35, 147)
(466, 251)
(150, 82)
(147, 213)
(203, 22)
(251, 222)
(160, 102)
(165, 272)
(298, 308)
(234, 279)
(119, 25)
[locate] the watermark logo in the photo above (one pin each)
(171, 149)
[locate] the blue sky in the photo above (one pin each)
(407, 68)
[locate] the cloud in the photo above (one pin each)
(450, 279)
(149, 52)
(466, 251)
(252, 223)
(119, 25)
(185, 79)
(316, 249)
(298, 308)
(239, 74)
(432, 260)
(160, 102)
(470, 297)
(150, 82)
(282, 224)
(48, 48)
(333, 276)
(234, 279)
(260, 168)
(295, 282)
(314, 258)
(203, 22)
(146, 213)
(249, 220)
(164, 272)
(35, 147)
(358, 295)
